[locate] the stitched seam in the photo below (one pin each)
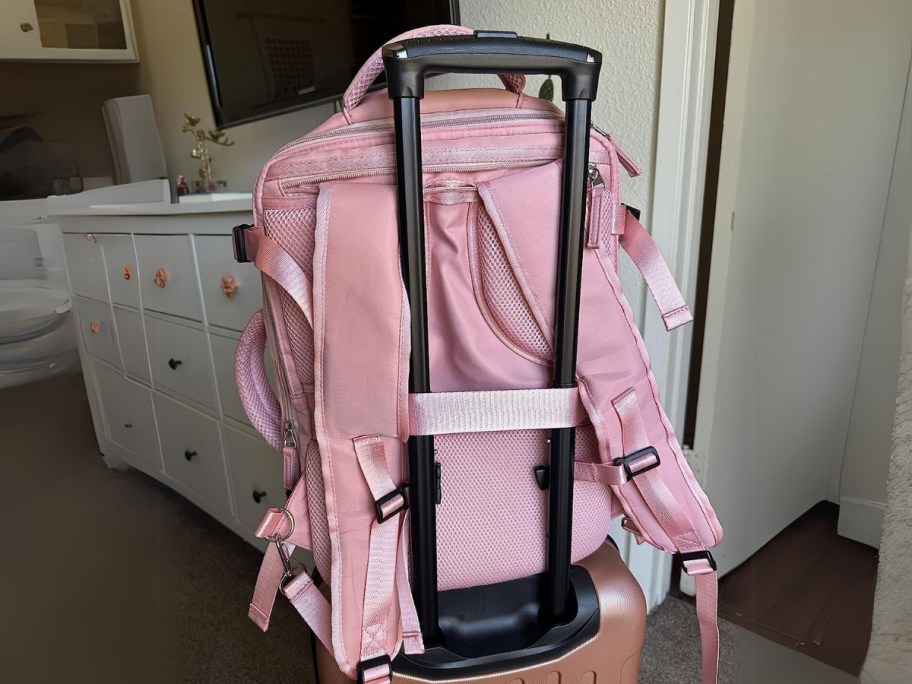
(478, 291)
(669, 433)
(515, 262)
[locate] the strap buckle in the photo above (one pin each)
(634, 211)
(697, 556)
(365, 667)
(390, 504)
(239, 243)
(639, 462)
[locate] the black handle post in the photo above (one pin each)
(407, 63)
(422, 476)
(566, 329)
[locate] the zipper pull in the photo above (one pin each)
(594, 219)
(291, 435)
(595, 177)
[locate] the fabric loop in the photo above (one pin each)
(644, 253)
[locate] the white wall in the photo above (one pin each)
(863, 484)
(629, 35)
(171, 71)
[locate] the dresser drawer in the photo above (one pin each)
(179, 356)
(191, 450)
(96, 324)
(168, 281)
(85, 266)
(256, 476)
(128, 414)
(120, 264)
(231, 291)
(132, 343)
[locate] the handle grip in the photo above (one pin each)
(408, 62)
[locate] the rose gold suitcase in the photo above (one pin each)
(604, 650)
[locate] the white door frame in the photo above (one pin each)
(685, 93)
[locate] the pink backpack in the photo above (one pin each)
(336, 322)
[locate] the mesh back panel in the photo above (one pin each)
(491, 520)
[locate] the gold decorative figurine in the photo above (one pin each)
(201, 151)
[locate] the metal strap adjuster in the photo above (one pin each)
(239, 243)
(365, 667)
(382, 508)
(697, 555)
(638, 462)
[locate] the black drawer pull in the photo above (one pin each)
(174, 363)
(189, 454)
(128, 425)
(258, 495)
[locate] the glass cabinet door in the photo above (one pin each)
(81, 24)
(67, 30)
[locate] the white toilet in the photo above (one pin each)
(37, 334)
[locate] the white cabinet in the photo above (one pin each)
(120, 264)
(159, 356)
(256, 476)
(168, 281)
(96, 324)
(129, 417)
(63, 30)
(179, 354)
(231, 291)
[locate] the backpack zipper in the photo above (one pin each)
(386, 125)
(303, 184)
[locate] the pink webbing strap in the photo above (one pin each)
(674, 521)
(599, 472)
(641, 248)
(272, 572)
(412, 641)
(384, 554)
(443, 413)
(311, 605)
(279, 265)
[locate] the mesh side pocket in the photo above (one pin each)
(501, 295)
(293, 230)
(316, 502)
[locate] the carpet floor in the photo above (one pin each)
(109, 577)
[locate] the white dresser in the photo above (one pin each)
(160, 304)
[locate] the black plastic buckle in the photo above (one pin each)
(627, 460)
(239, 243)
(697, 555)
(371, 663)
(634, 211)
(401, 490)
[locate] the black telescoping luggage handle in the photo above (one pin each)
(407, 63)
(490, 52)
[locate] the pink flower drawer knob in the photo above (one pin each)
(95, 326)
(229, 286)
(160, 278)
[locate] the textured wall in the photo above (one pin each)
(890, 653)
(629, 35)
(171, 71)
